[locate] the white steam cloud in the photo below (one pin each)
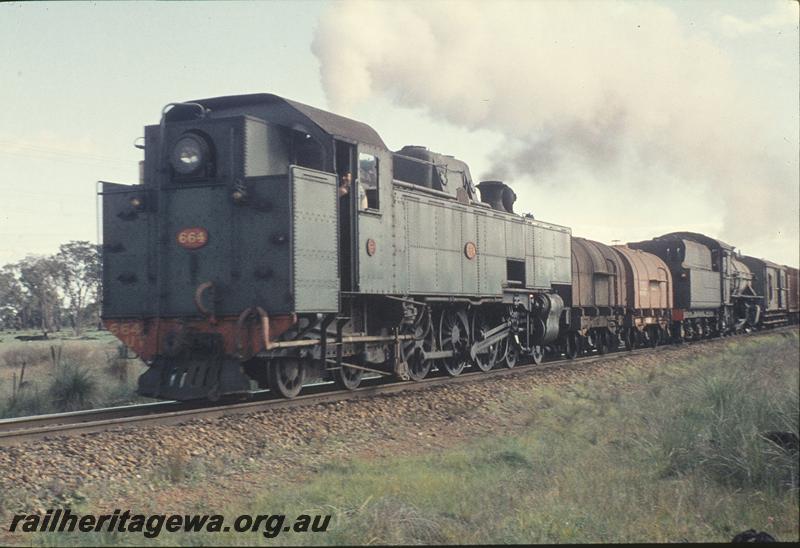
(617, 94)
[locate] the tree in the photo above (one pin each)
(78, 278)
(39, 276)
(14, 310)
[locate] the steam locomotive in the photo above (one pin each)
(242, 259)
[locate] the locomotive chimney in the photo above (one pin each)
(498, 195)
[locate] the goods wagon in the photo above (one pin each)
(793, 293)
(771, 284)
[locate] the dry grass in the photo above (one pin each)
(62, 374)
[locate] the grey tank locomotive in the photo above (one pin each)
(242, 258)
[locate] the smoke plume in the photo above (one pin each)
(620, 96)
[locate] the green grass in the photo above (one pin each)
(661, 455)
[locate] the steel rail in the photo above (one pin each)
(13, 431)
(74, 417)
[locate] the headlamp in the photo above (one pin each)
(189, 155)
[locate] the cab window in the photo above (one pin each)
(368, 181)
(306, 151)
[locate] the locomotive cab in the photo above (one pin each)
(236, 229)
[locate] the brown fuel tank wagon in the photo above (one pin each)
(647, 278)
(597, 298)
(598, 276)
(649, 296)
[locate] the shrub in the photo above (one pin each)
(28, 400)
(25, 353)
(73, 388)
(78, 353)
(117, 367)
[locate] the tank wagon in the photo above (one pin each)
(649, 297)
(269, 243)
(243, 256)
(619, 296)
(597, 298)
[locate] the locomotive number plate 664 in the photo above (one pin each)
(192, 238)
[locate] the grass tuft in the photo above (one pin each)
(178, 466)
(74, 387)
(718, 429)
(512, 458)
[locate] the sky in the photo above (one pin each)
(621, 120)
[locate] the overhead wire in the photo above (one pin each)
(43, 152)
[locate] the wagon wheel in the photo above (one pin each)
(630, 336)
(614, 341)
(412, 350)
(537, 353)
(653, 336)
(454, 336)
(509, 353)
(486, 360)
(286, 377)
(647, 337)
(572, 345)
(348, 377)
(602, 343)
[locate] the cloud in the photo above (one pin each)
(784, 15)
(616, 96)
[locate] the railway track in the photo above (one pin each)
(24, 429)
